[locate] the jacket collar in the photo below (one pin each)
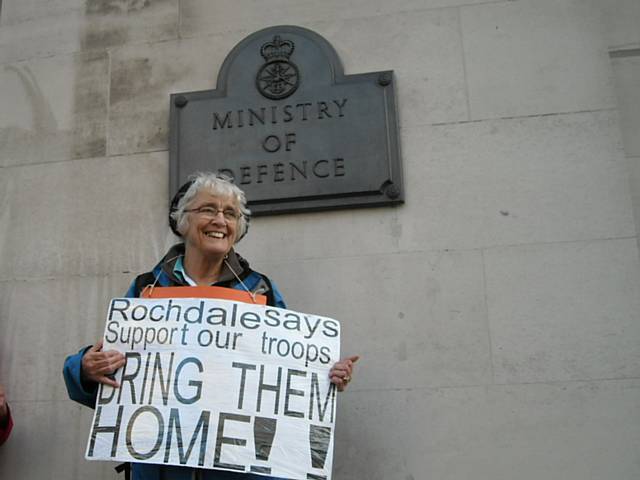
(233, 261)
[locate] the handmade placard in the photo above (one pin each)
(212, 383)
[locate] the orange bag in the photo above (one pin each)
(203, 292)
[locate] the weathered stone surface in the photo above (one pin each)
(200, 17)
(571, 431)
(534, 57)
(621, 20)
(353, 232)
(115, 22)
(627, 76)
(564, 311)
(431, 330)
(48, 441)
(18, 11)
(634, 168)
(54, 109)
(89, 217)
(142, 77)
(431, 85)
(33, 29)
(40, 37)
(516, 181)
(43, 321)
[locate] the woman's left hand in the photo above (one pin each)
(342, 372)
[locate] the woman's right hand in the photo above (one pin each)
(98, 366)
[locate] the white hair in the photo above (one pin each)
(215, 184)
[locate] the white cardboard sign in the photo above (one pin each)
(218, 384)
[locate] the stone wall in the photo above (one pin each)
(496, 312)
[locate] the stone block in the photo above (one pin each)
(571, 431)
(564, 311)
(40, 37)
(535, 57)
(634, 168)
(48, 441)
(43, 321)
(621, 20)
(423, 48)
(416, 319)
(33, 29)
(143, 76)
(515, 181)
(88, 217)
(627, 78)
(352, 232)
(54, 109)
(201, 17)
(627, 75)
(18, 11)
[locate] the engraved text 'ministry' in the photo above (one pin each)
(278, 114)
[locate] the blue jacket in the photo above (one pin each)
(165, 275)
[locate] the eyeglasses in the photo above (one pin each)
(210, 212)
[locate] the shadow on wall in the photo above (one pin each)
(115, 6)
(26, 143)
(104, 26)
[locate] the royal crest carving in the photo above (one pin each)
(278, 77)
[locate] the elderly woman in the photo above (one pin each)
(210, 214)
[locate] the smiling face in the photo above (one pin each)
(211, 236)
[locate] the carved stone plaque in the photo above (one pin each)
(291, 129)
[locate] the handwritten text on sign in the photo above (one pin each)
(218, 384)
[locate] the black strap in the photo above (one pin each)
(271, 298)
(126, 468)
(143, 280)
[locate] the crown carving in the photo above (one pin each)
(278, 49)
